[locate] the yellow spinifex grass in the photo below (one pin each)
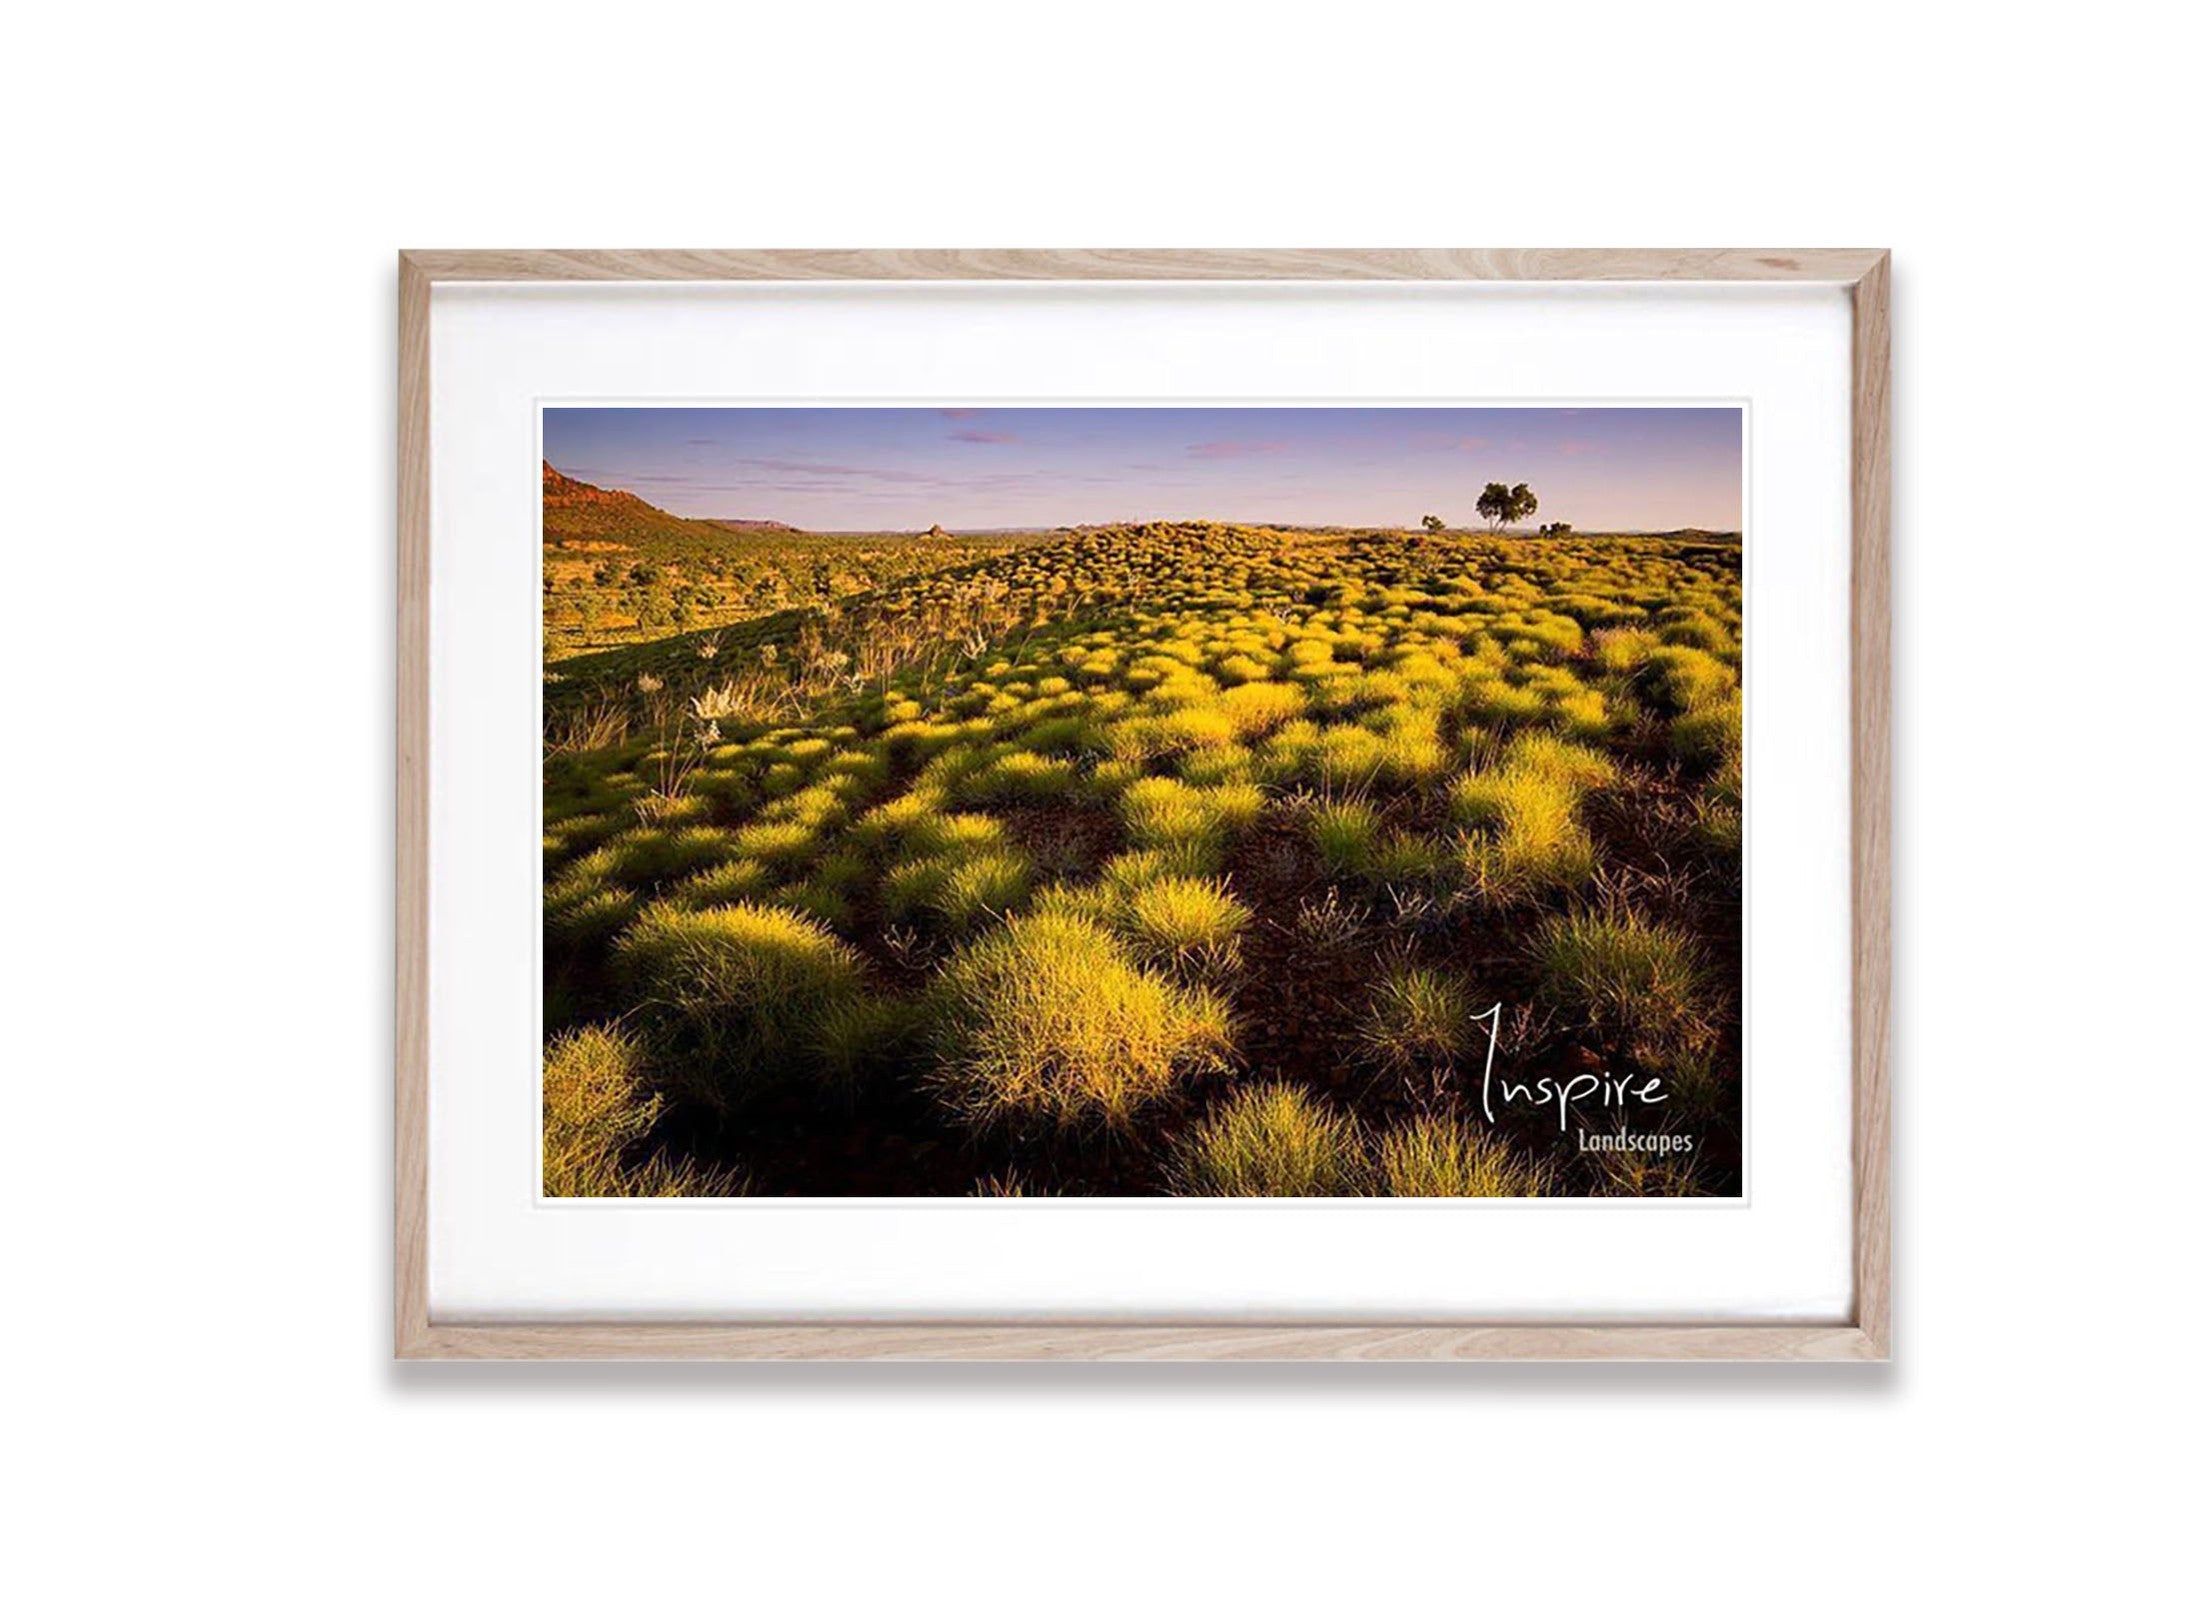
(1417, 1017)
(596, 1107)
(1046, 1020)
(1271, 1141)
(741, 986)
(1432, 1157)
(1346, 832)
(1187, 922)
(1630, 980)
(1523, 813)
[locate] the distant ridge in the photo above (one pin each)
(581, 514)
(747, 524)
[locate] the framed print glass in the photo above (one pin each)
(1236, 804)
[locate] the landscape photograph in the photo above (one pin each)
(1022, 803)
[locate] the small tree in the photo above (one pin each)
(1434, 524)
(1501, 505)
(1495, 502)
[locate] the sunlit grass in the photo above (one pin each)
(597, 1108)
(1417, 1018)
(738, 988)
(1271, 1140)
(1461, 735)
(1347, 834)
(1046, 1020)
(1433, 1157)
(1631, 982)
(1186, 923)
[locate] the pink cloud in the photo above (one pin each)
(1472, 441)
(1580, 447)
(1230, 449)
(960, 414)
(976, 436)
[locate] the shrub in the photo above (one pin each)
(1045, 1020)
(1631, 983)
(1523, 815)
(895, 820)
(819, 901)
(1677, 678)
(1622, 650)
(1289, 751)
(1254, 708)
(647, 856)
(1186, 922)
(1718, 828)
(578, 833)
(1417, 1017)
(1215, 768)
(1061, 735)
(1436, 1158)
(1270, 1141)
(1412, 746)
(1546, 755)
(1022, 775)
(1704, 737)
(1144, 738)
(952, 833)
(785, 843)
(1492, 702)
(1411, 860)
(738, 988)
(982, 884)
(1585, 716)
(1696, 631)
(1350, 756)
(1346, 834)
(1330, 925)
(1135, 869)
(596, 1108)
(1240, 669)
(729, 884)
(583, 906)
(1636, 1174)
(1189, 824)
(589, 917)
(860, 1034)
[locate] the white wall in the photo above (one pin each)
(198, 514)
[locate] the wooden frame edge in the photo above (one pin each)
(1159, 1342)
(410, 1255)
(1867, 1337)
(1870, 622)
(1212, 266)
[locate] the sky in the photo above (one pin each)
(881, 468)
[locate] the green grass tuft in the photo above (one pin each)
(597, 1108)
(1347, 835)
(1271, 1141)
(738, 990)
(1632, 983)
(1417, 1018)
(1185, 922)
(1436, 1158)
(1046, 1021)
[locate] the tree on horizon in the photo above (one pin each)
(1501, 505)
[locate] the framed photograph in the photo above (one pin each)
(1143, 804)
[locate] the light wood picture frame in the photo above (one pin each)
(1864, 1335)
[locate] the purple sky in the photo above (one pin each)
(884, 468)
